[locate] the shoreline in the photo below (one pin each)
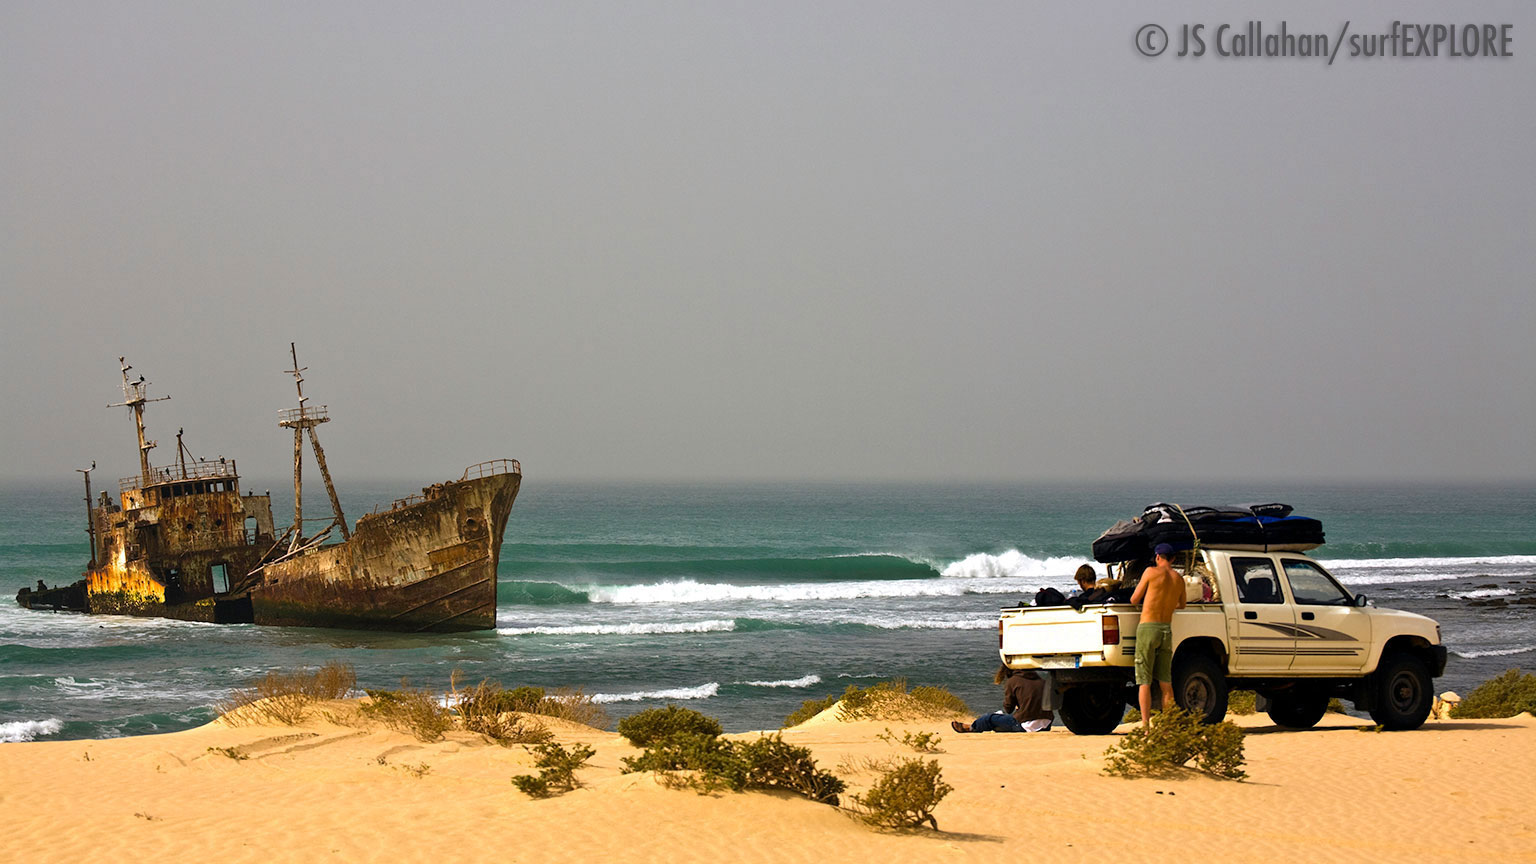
(322, 790)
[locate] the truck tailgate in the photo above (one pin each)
(1058, 629)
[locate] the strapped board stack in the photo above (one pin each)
(1250, 527)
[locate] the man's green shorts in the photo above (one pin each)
(1154, 652)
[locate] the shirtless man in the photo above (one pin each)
(1159, 593)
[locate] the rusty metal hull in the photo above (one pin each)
(185, 543)
(429, 565)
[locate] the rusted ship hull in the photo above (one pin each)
(426, 565)
(429, 565)
(185, 543)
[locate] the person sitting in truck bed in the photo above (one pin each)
(1084, 577)
(1089, 591)
(1023, 705)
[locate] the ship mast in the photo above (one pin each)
(299, 420)
(90, 521)
(133, 397)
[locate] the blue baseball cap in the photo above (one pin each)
(1164, 550)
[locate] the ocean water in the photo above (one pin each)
(738, 601)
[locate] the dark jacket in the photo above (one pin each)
(1024, 696)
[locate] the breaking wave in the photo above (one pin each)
(874, 565)
(634, 629)
(805, 681)
(1480, 593)
(703, 691)
(28, 730)
(1013, 564)
(1494, 652)
(689, 591)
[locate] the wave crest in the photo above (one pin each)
(689, 591)
(1494, 652)
(1012, 564)
(804, 681)
(28, 730)
(703, 691)
(634, 629)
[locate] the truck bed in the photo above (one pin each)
(1060, 637)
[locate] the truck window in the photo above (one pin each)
(1311, 586)
(1256, 582)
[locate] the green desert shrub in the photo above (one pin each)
(904, 796)
(557, 769)
(921, 742)
(417, 712)
(497, 713)
(1242, 702)
(571, 704)
(657, 724)
(715, 763)
(1174, 739)
(523, 699)
(770, 763)
(284, 696)
(891, 700)
(808, 709)
(1505, 695)
(1239, 703)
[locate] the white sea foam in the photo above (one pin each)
(690, 591)
(1012, 564)
(1425, 563)
(1494, 652)
(971, 622)
(1481, 592)
(27, 730)
(703, 691)
(805, 681)
(632, 629)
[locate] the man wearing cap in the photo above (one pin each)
(1159, 593)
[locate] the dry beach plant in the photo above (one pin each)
(284, 696)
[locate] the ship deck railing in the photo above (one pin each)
(202, 469)
(492, 468)
(480, 469)
(312, 413)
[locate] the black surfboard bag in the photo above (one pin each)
(1255, 525)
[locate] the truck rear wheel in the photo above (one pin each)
(1403, 694)
(1298, 708)
(1200, 687)
(1093, 709)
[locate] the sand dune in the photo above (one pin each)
(1452, 791)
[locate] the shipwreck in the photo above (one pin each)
(183, 541)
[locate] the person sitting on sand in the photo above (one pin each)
(1023, 705)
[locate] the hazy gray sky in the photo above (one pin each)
(883, 240)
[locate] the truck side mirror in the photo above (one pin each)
(1360, 600)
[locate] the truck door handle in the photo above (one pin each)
(1307, 616)
(1251, 616)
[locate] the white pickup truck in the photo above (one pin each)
(1275, 622)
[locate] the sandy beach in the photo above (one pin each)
(1451, 791)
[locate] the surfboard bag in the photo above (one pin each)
(1257, 527)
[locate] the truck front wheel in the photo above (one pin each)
(1403, 694)
(1298, 708)
(1093, 709)
(1200, 687)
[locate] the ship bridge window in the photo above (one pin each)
(220, 579)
